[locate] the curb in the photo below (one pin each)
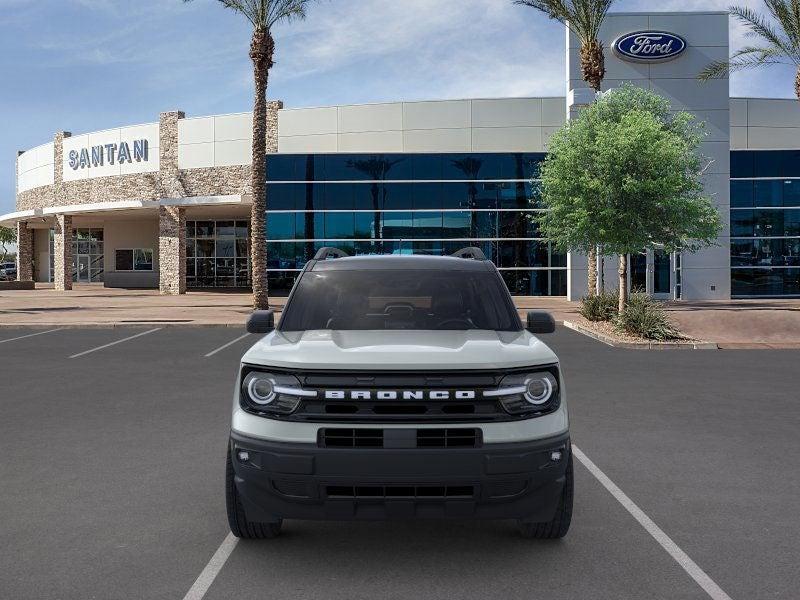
(640, 345)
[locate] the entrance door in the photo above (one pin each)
(662, 270)
(638, 268)
(83, 268)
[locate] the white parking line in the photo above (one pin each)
(214, 566)
(22, 337)
(115, 343)
(695, 572)
(231, 343)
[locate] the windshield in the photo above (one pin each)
(393, 299)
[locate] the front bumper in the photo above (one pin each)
(304, 481)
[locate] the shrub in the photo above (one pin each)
(601, 307)
(644, 317)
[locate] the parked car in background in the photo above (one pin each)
(8, 271)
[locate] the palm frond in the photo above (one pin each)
(787, 14)
(759, 26)
(745, 58)
(583, 17)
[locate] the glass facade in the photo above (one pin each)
(217, 254)
(765, 223)
(410, 203)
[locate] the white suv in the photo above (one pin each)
(399, 387)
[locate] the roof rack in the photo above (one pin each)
(471, 252)
(329, 252)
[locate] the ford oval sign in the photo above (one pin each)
(649, 46)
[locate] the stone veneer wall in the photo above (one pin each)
(62, 250)
(24, 252)
(172, 250)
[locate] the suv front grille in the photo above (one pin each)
(434, 492)
(420, 438)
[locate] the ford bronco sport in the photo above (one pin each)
(399, 387)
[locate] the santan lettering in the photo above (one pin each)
(645, 44)
(97, 156)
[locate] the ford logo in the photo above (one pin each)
(649, 46)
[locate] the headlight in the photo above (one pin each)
(534, 392)
(271, 392)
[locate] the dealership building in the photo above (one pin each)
(167, 204)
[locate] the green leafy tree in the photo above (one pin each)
(263, 15)
(584, 19)
(778, 40)
(626, 174)
(7, 237)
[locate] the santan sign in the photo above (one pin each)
(97, 156)
(649, 46)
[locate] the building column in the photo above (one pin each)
(24, 252)
(62, 251)
(171, 250)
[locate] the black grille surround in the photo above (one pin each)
(479, 410)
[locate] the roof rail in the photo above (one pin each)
(471, 252)
(329, 252)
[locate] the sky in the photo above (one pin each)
(86, 65)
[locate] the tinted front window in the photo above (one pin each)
(421, 300)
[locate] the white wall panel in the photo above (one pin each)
(508, 112)
(370, 117)
(195, 156)
(437, 140)
(507, 139)
(739, 138)
(299, 144)
(773, 113)
(234, 152)
(717, 126)
(196, 131)
(738, 112)
(765, 138)
(698, 29)
(371, 141)
(308, 121)
(444, 114)
(233, 127)
(691, 94)
(554, 112)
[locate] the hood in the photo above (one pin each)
(401, 350)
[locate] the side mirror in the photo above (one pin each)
(261, 321)
(540, 322)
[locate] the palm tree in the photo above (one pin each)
(780, 41)
(584, 19)
(263, 15)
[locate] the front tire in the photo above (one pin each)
(559, 526)
(240, 526)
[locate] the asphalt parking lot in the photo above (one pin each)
(112, 470)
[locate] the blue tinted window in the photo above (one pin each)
(426, 166)
(791, 222)
(741, 194)
(367, 225)
(426, 195)
(742, 164)
(339, 196)
(281, 167)
(768, 193)
(768, 163)
(457, 224)
(280, 226)
(397, 225)
(427, 225)
(485, 224)
(742, 223)
(456, 195)
(765, 282)
(282, 196)
(397, 196)
(791, 192)
(339, 225)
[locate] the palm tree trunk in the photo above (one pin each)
(797, 84)
(623, 282)
(261, 52)
(593, 70)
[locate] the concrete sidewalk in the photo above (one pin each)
(735, 324)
